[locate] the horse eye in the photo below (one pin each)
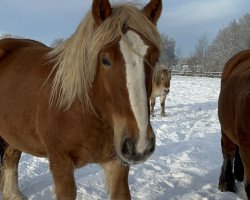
(105, 62)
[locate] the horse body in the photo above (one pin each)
(16, 114)
(160, 87)
(234, 116)
(75, 111)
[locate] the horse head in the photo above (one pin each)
(164, 79)
(122, 85)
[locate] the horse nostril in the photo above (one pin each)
(128, 147)
(152, 146)
(152, 149)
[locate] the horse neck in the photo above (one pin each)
(88, 113)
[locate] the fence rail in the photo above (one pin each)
(190, 73)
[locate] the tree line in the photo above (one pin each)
(229, 41)
(207, 56)
(170, 55)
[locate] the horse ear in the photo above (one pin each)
(101, 10)
(153, 10)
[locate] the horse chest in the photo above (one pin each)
(159, 92)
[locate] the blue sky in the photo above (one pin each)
(184, 20)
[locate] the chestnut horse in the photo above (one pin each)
(160, 87)
(86, 101)
(234, 116)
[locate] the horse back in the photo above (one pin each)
(23, 61)
(9, 45)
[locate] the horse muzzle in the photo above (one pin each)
(166, 90)
(129, 153)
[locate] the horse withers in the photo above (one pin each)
(86, 101)
(234, 116)
(160, 87)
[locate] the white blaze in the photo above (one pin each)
(134, 51)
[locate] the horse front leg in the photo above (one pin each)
(9, 175)
(117, 180)
(163, 98)
(62, 169)
(227, 181)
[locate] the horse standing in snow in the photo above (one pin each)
(160, 87)
(234, 116)
(86, 101)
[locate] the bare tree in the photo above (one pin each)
(197, 61)
(169, 52)
(178, 54)
(201, 51)
(56, 42)
(7, 35)
(229, 41)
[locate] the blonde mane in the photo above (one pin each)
(76, 59)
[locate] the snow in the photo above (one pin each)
(186, 163)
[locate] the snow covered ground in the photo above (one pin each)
(185, 165)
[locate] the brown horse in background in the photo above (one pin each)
(160, 87)
(86, 101)
(234, 116)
